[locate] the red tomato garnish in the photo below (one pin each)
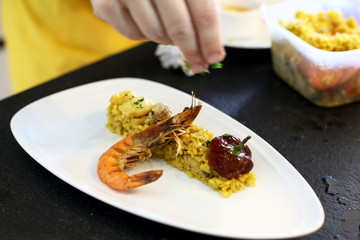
(229, 156)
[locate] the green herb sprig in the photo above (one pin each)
(214, 66)
(218, 65)
(138, 101)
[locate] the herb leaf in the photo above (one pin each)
(212, 66)
(216, 65)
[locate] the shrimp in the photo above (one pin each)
(136, 148)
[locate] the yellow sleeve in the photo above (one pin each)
(47, 38)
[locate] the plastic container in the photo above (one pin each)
(325, 78)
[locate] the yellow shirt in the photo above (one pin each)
(47, 38)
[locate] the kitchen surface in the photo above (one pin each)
(320, 143)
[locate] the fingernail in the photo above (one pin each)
(197, 68)
(215, 58)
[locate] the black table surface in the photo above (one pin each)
(323, 144)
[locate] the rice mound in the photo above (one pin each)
(193, 156)
(125, 117)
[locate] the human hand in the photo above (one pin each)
(192, 25)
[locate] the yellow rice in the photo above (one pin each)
(124, 122)
(326, 30)
(193, 156)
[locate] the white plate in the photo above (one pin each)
(257, 42)
(65, 132)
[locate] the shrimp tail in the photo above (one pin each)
(112, 175)
(112, 162)
(143, 178)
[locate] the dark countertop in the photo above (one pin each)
(321, 143)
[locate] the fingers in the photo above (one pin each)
(192, 25)
(118, 16)
(206, 23)
(178, 25)
(146, 17)
(126, 25)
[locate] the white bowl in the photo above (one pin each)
(243, 21)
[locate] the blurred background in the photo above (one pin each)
(4, 77)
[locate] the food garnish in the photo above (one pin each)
(229, 156)
(211, 66)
